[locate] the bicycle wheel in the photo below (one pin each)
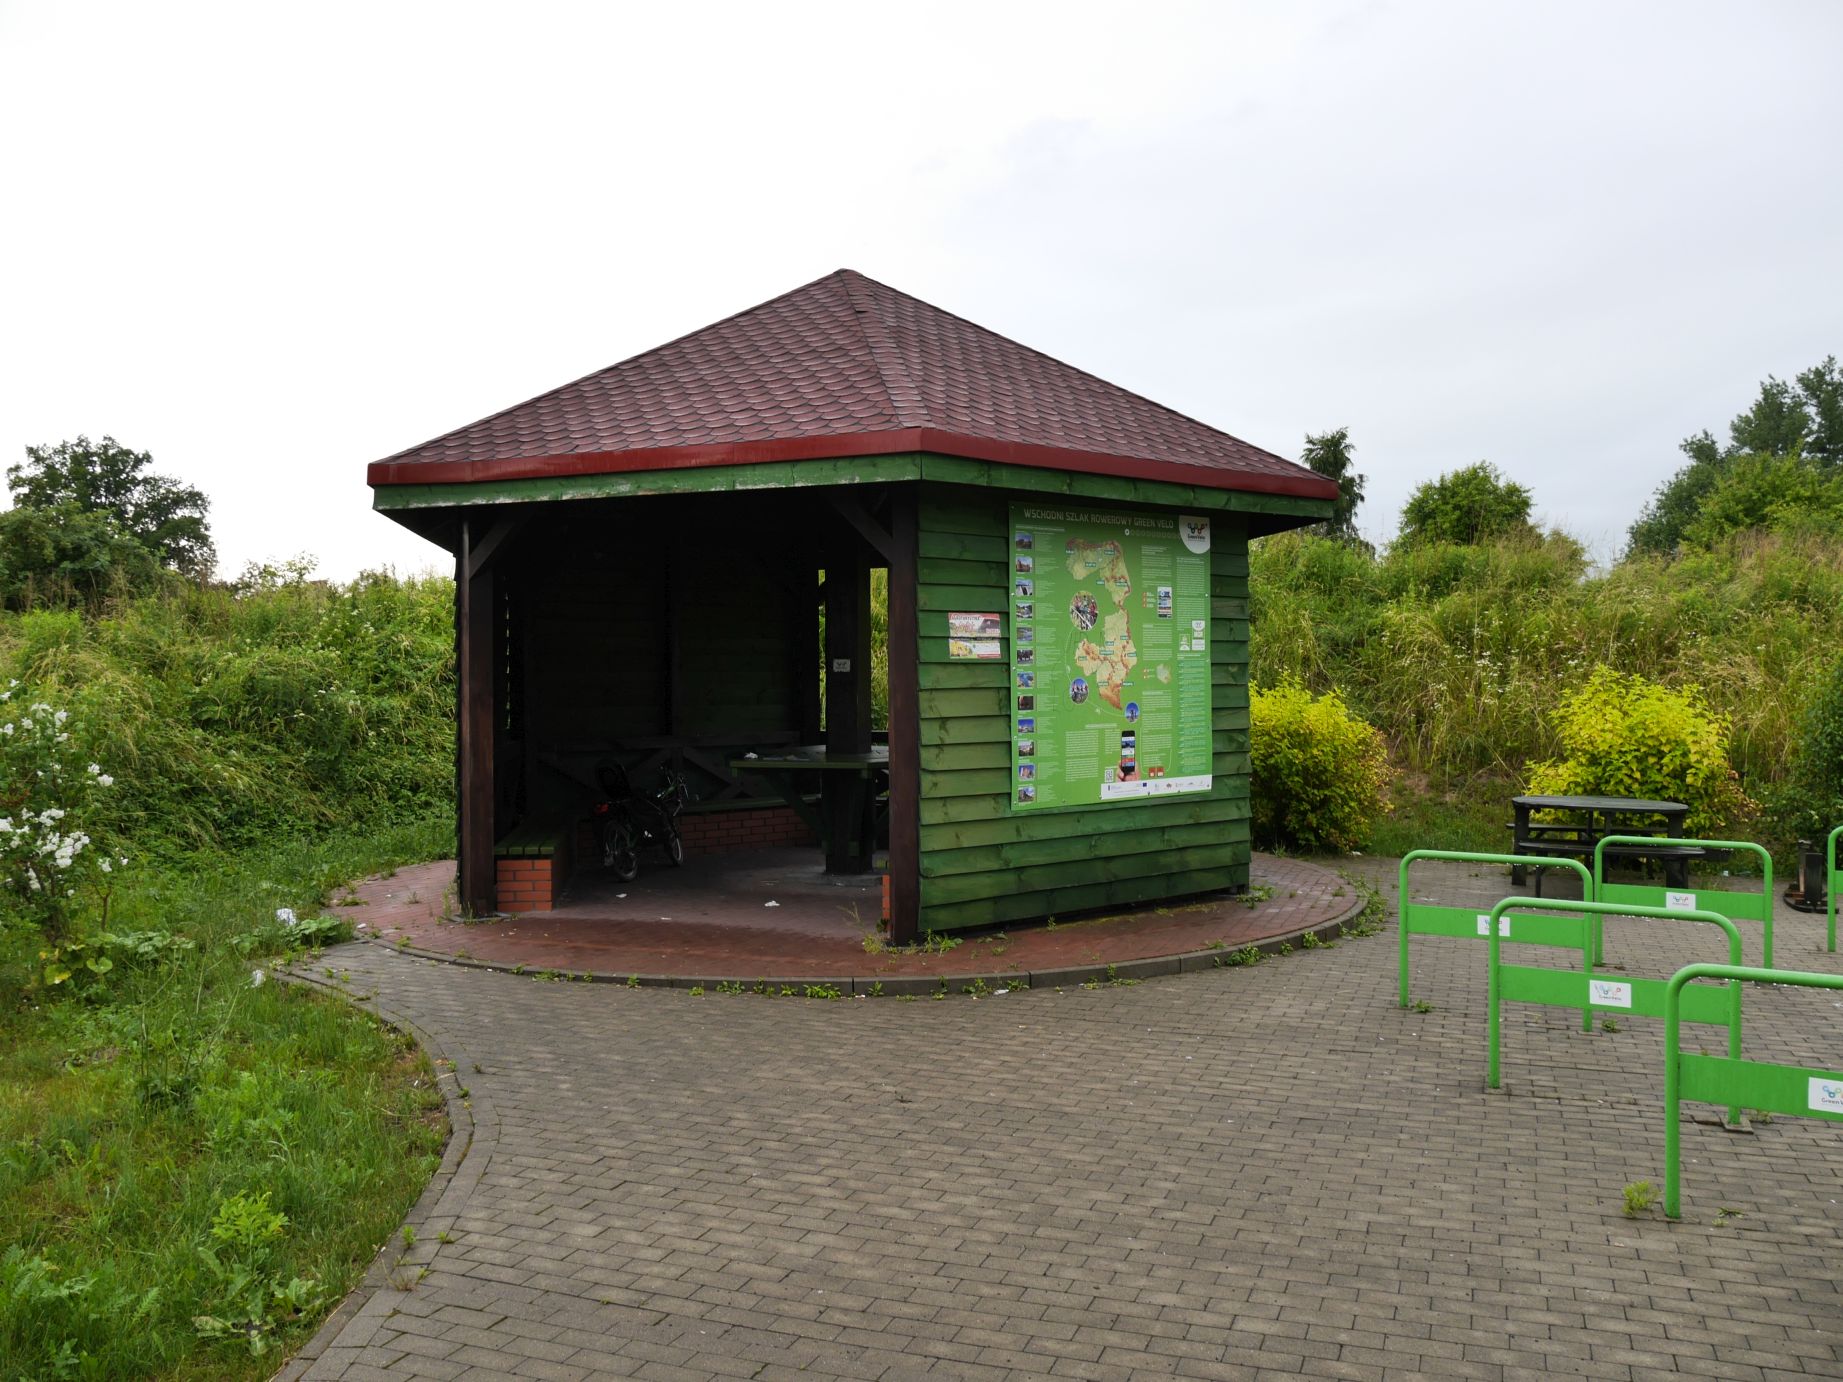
(620, 853)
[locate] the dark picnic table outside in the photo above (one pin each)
(1590, 819)
(848, 784)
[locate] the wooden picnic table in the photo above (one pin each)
(848, 787)
(1603, 816)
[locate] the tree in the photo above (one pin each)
(1822, 388)
(165, 517)
(1803, 419)
(1662, 523)
(64, 554)
(1776, 425)
(1328, 454)
(1465, 506)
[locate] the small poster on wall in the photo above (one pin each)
(975, 637)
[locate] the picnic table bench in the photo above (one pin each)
(1593, 818)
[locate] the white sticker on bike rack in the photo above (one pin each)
(1826, 1094)
(1679, 902)
(1609, 993)
(1484, 925)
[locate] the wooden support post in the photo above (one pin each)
(905, 724)
(803, 608)
(847, 703)
(474, 727)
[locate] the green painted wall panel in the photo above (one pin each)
(944, 679)
(1120, 893)
(1220, 813)
(983, 862)
(939, 862)
(964, 547)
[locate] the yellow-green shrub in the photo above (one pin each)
(1318, 771)
(1625, 736)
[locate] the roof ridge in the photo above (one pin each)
(883, 353)
(1073, 369)
(605, 369)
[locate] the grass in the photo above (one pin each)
(187, 1152)
(1457, 654)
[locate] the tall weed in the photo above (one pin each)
(1461, 654)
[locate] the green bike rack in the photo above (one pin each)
(1830, 887)
(1795, 1090)
(1427, 919)
(1736, 906)
(1590, 992)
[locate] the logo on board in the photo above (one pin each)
(1194, 531)
(1826, 1095)
(1606, 993)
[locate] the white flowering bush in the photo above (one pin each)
(49, 800)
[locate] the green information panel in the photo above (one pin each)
(1110, 669)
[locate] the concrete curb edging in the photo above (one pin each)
(469, 1147)
(896, 986)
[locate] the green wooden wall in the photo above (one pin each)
(982, 862)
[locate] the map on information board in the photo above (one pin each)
(1110, 666)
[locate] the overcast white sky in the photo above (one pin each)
(272, 243)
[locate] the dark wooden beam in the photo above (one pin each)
(481, 551)
(474, 727)
(905, 723)
(803, 648)
(848, 728)
(868, 528)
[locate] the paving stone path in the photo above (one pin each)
(1246, 1172)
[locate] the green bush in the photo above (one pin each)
(1318, 771)
(1625, 736)
(1810, 804)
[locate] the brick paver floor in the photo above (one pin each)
(711, 921)
(1242, 1172)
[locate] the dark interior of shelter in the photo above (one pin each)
(686, 635)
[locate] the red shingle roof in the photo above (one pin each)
(844, 366)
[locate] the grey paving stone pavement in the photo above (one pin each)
(1250, 1172)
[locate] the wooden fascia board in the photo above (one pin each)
(706, 480)
(1296, 481)
(1275, 511)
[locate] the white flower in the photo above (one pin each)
(105, 780)
(61, 716)
(285, 915)
(255, 978)
(6, 728)
(94, 769)
(106, 866)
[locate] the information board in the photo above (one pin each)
(1110, 667)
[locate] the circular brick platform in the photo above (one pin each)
(772, 917)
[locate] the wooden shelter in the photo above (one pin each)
(641, 558)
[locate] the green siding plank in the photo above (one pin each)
(944, 810)
(981, 782)
(1022, 854)
(956, 701)
(951, 758)
(966, 676)
(955, 916)
(980, 730)
(1109, 868)
(962, 573)
(975, 598)
(1014, 827)
(956, 546)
